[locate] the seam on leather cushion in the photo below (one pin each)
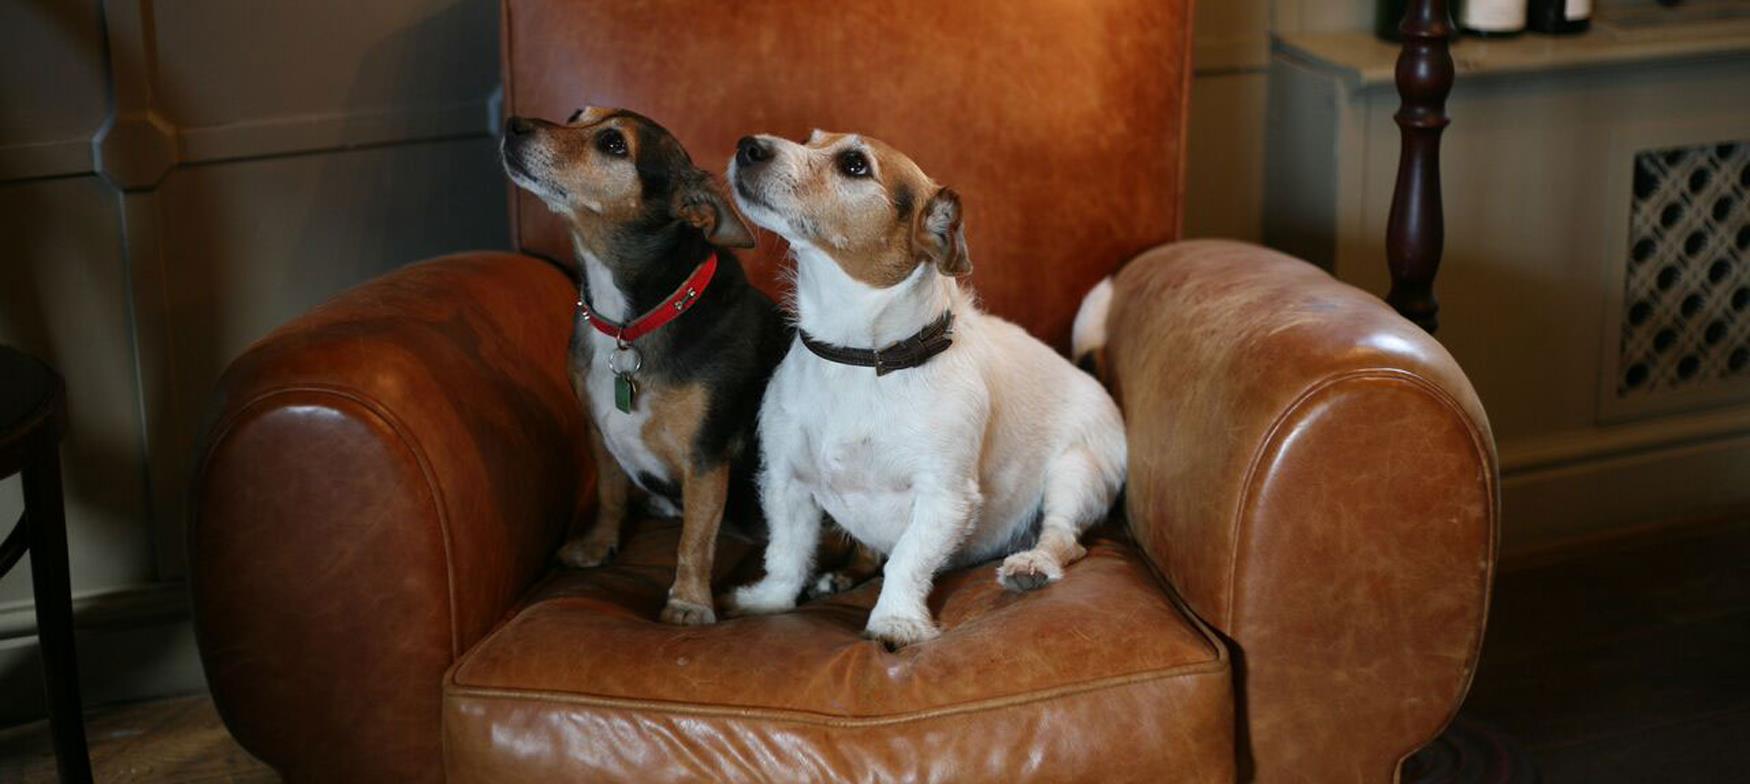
(1221, 663)
(408, 441)
(458, 691)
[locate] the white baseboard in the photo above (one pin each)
(117, 663)
(134, 642)
(1528, 455)
(1582, 486)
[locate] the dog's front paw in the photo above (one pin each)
(684, 613)
(1025, 571)
(759, 599)
(898, 631)
(829, 584)
(584, 552)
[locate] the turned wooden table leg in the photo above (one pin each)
(1416, 231)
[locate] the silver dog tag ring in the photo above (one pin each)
(625, 360)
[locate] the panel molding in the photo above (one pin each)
(142, 165)
(134, 151)
(330, 132)
(38, 160)
(167, 439)
(136, 144)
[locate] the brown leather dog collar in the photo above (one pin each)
(911, 352)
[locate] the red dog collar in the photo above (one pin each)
(677, 303)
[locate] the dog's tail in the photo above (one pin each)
(1088, 335)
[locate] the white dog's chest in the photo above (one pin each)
(847, 462)
(855, 461)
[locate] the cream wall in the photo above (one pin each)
(1534, 167)
(1536, 173)
(1225, 175)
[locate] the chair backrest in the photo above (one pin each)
(1061, 124)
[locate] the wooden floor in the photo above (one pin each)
(1626, 661)
(175, 740)
(1623, 661)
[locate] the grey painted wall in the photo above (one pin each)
(177, 178)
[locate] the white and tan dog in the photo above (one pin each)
(957, 448)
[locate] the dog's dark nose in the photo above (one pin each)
(517, 126)
(752, 152)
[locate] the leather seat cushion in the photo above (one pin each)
(1100, 673)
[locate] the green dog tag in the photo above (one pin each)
(624, 390)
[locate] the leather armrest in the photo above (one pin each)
(380, 480)
(1316, 477)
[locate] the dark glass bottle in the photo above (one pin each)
(1559, 17)
(1387, 15)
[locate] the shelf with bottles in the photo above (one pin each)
(1617, 36)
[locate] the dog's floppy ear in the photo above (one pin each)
(700, 202)
(938, 237)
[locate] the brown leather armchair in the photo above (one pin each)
(1297, 590)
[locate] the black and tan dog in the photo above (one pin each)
(672, 347)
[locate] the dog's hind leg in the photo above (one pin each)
(597, 545)
(1077, 494)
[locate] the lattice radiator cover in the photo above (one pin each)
(1686, 286)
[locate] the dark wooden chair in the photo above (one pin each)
(33, 415)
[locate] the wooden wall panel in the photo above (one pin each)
(222, 62)
(52, 87)
(64, 297)
(177, 178)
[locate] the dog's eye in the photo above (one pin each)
(611, 142)
(853, 163)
